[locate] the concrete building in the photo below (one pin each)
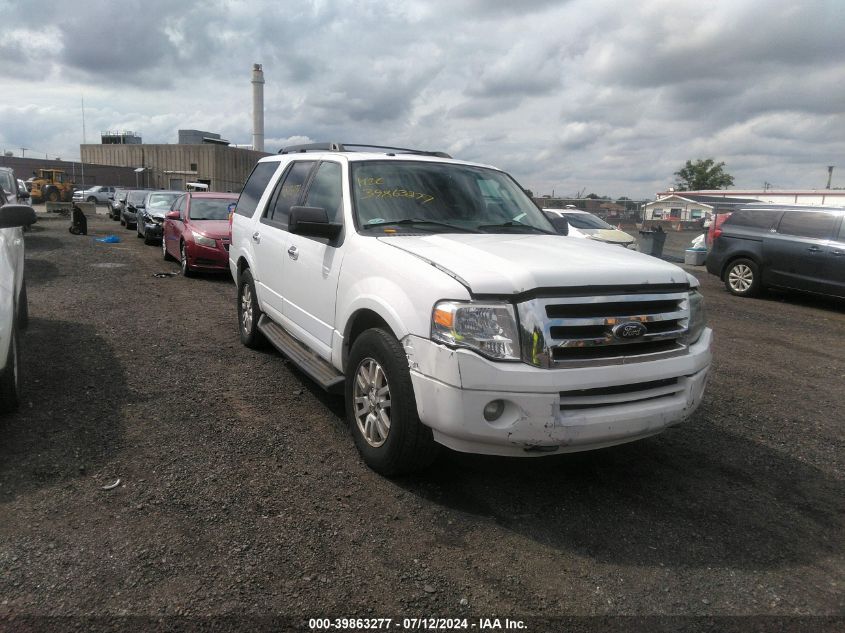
(203, 157)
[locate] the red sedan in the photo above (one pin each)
(196, 231)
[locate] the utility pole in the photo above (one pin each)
(829, 175)
(23, 152)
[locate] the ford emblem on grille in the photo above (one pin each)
(629, 331)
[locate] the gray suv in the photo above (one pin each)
(801, 248)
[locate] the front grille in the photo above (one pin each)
(572, 331)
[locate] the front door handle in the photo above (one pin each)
(292, 252)
(838, 253)
(256, 237)
(814, 249)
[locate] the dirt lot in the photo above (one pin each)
(241, 493)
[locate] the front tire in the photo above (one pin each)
(742, 278)
(10, 377)
(248, 312)
(23, 308)
(381, 408)
(187, 271)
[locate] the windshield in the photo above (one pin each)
(440, 197)
(161, 200)
(136, 197)
(210, 208)
(586, 221)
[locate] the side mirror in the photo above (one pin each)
(313, 222)
(173, 215)
(13, 215)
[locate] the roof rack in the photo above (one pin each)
(347, 147)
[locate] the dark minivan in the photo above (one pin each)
(801, 248)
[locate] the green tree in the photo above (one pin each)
(703, 174)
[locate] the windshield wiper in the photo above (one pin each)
(410, 221)
(514, 225)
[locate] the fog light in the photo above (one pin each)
(493, 410)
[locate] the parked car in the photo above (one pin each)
(196, 231)
(98, 194)
(14, 188)
(134, 201)
(451, 318)
(586, 225)
(151, 214)
(117, 202)
(800, 248)
(14, 314)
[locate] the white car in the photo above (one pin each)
(13, 305)
(587, 225)
(96, 194)
(437, 297)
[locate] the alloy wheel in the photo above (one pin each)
(371, 394)
(246, 308)
(740, 278)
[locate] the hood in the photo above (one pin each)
(212, 228)
(512, 264)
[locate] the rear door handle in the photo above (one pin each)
(814, 249)
(292, 252)
(256, 237)
(838, 253)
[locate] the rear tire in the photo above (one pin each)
(92, 199)
(742, 278)
(10, 377)
(249, 313)
(390, 438)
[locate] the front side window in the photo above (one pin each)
(288, 192)
(812, 224)
(326, 191)
(440, 197)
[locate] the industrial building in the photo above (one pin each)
(165, 166)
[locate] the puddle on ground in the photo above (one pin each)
(108, 265)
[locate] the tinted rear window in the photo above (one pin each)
(813, 224)
(753, 218)
(254, 187)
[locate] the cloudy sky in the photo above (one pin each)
(604, 96)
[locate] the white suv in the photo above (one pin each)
(13, 306)
(438, 297)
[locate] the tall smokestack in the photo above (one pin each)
(257, 108)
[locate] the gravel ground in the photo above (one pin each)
(241, 494)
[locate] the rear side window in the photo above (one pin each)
(326, 191)
(255, 186)
(812, 224)
(288, 192)
(753, 218)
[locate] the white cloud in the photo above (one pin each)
(606, 95)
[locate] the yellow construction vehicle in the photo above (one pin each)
(51, 185)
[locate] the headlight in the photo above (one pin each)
(697, 316)
(488, 328)
(202, 240)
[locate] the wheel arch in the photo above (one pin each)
(360, 321)
(740, 255)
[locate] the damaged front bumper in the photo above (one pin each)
(547, 411)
